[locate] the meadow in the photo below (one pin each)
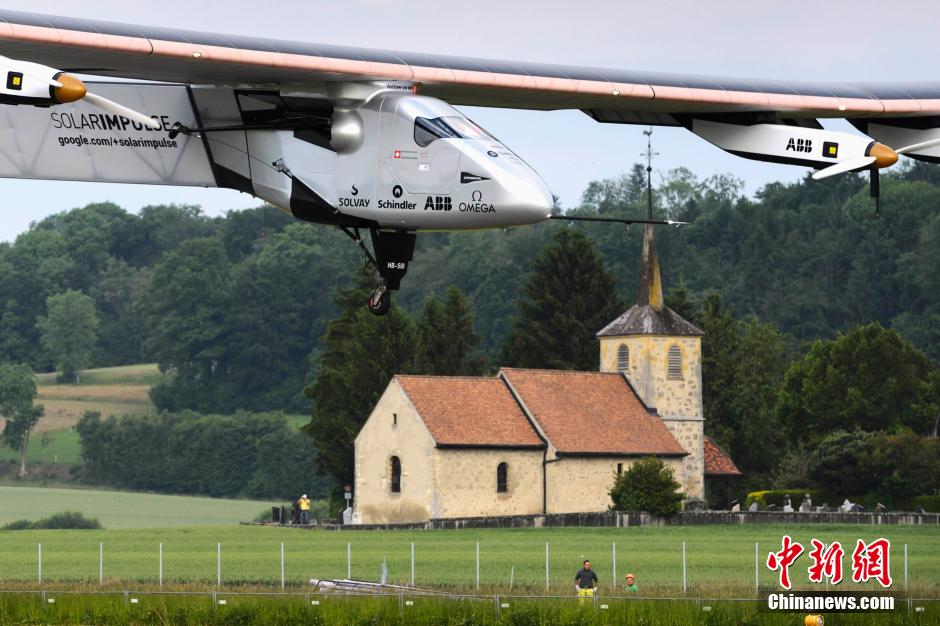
(719, 559)
(123, 510)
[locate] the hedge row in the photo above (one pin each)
(246, 454)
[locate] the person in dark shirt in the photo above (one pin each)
(585, 580)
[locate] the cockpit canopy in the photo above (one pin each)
(447, 127)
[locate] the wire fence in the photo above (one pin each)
(407, 572)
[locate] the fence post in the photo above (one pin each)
(905, 567)
(547, 586)
(478, 565)
(412, 563)
(349, 560)
(218, 565)
(100, 563)
(161, 563)
(282, 565)
(684, 587)
(613, 580)
(40, 563)
(756, 570)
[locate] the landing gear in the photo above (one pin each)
(380, 301)
(393, 250)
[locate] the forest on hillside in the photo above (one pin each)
(250, 292)
(822, 323)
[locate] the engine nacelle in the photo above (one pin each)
(906, 132)
(31, 83)
(346, 131)
(778, 143)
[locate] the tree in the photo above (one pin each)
(17, 392)
(69, 332)
(868, 379)
(447, 342)
(840, 463)
(719, 358)
(117, 293)
(758, 439)
(185, 307)
(567, 298)
(361, 353)
(648, 485)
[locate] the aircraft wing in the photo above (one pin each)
(608, 95)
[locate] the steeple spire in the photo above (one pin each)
(650, 291)
(651, 285)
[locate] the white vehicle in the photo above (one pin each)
(369, 139)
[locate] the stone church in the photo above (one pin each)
(533, 442)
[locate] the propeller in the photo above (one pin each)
(72, 89)
(66, 88)
(877, 156)
(849, 165)
(119, 109)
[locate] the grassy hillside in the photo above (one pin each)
(720, 559)
(118, 509)
(110, 391)
(113, 391)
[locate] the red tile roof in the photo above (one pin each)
(464, 411)
(591, 413)
(717, 461)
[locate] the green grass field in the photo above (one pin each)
(57, 446)
(142, 374)
(293, 609)
(720, 559)
(121, 510)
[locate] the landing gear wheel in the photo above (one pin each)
(380, 302)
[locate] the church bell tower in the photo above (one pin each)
(660, 353)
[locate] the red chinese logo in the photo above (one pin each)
(827, 562)
(784, 559)
(872, 561)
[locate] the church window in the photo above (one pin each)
(619, 469)
(394, 419)
(502, 477)
(396, 475)
(674, 371)
(623, 358)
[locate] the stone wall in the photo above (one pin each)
(578, 484)
(394, 429)
(466, 482)
(620, 519)
(690, 471)
(648, 371)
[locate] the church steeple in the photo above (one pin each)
(660, 354)
(650, 291)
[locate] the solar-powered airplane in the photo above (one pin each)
(370, 140)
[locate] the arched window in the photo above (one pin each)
(623, 358)
(396, 475)
(502, 477)
(675, 363)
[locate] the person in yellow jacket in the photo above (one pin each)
(585, 582)
(304, 504)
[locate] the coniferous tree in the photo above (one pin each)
(567, 298)
(447, 343)
(361, 353)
